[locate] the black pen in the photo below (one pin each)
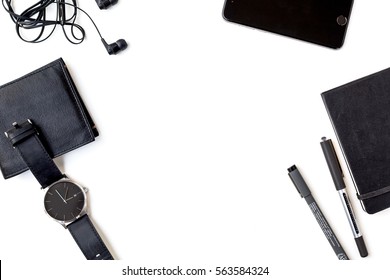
(337, 175)
(304, 191)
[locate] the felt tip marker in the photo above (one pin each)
(305, 193)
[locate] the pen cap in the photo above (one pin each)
(333, 163)
(298, 181)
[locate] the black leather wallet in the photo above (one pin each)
(360, 115)
(48, 97)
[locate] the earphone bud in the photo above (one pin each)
(116, 47)
(104, 4)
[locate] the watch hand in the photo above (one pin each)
(66, 192)
(73, 196)
(60, 196)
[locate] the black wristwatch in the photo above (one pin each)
(65, 201)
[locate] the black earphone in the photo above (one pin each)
(116, 47)
(34, 17)
(104, 4)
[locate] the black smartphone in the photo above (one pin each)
(322, 22)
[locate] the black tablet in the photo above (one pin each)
(322, 22)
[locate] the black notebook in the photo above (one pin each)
(322, 22)
(49, 98)
(360, 115)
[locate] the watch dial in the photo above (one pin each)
(64, 201)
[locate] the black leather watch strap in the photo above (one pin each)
(25, 140)
(89, 241)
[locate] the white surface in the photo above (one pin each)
(199, 120)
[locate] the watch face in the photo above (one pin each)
(64, 201)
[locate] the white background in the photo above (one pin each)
(199, 120)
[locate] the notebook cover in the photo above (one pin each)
(315, 21)
(47, 96)
(360, 115)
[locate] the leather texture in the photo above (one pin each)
(47, 96)
(26, 142)
(88, 239)
(360, 114)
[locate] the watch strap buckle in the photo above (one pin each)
(21, 132)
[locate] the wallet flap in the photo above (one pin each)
(49, 97)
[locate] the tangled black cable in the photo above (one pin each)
(34, 17)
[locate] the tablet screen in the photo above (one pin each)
(323, 22)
